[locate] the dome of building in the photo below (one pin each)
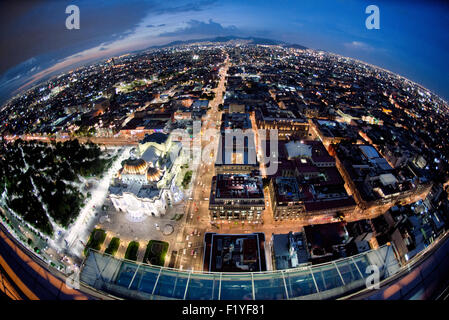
(153, 174)
(134, 166)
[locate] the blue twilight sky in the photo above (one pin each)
(413, 39)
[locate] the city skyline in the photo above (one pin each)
(334, 26)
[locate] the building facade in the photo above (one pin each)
(237, 197)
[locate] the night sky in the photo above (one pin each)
(413, 39)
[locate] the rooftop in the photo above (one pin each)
(310, 149)
(235, 121)
(287, 189)
(334, 129)
(290, 250)
(235, 252)
(241, 186)
(157, 137)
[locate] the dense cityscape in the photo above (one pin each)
(227, 158)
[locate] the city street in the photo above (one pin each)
(197, 210)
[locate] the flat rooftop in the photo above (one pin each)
(323, 237)
(242, 186)
(287, 189)
(284, 258)
(307, 153)
(235, 121)
(274, 113)
(234, 252)
(200, 104)
(335, 129)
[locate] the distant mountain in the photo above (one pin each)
(295, 46)
(251, 40)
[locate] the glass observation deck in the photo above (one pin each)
(132, 280)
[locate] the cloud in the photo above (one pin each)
(33, 28)
(190, 6)
(203, 28)
(155, 26)
(358, 45)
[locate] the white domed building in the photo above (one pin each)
(145, 187)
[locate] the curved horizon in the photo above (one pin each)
(415, 52)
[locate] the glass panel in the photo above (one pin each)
(203, 287)
(348, 271)
(135, 282)
(148, 280)
(270, 287)
(126, 274)
(354, 268)
(362, 263)
(236, 288)
(300, 284)
(332, 278)
(171, 284)
(319, 279)
(327, 277)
